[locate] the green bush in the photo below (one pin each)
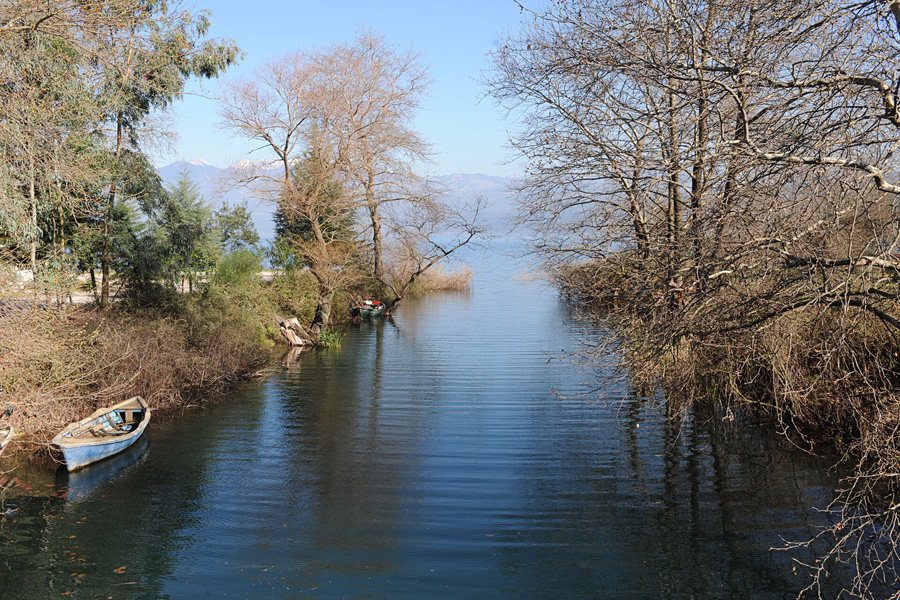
(293, 294)
(238, 268)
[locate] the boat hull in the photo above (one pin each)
(80, 448)
(84, 483)
(369, 310)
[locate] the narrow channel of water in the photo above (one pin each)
(426, 458)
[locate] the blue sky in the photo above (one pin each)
(468, 132)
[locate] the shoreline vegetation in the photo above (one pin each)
(719, 182)
(180, 311)
(59, 362)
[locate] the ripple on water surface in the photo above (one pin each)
(430, 457)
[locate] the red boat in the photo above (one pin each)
(368, 308)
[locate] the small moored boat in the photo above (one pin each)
(368, 308)
(7, 429)
(106, 432)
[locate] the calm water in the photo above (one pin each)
(427, 458)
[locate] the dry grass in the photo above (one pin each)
(440, 279)
(58, 366)
(43, 367)
(826, 377)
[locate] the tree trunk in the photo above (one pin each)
(729, 193)
(701, 141)
(635, 206)
(895, 11)
(33, 199)
(376, 226)
(324, 298)
(104, 279)
(674, 216)
(294, 332)
(105, 256)
(698, 177)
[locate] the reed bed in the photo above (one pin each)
(441, 279)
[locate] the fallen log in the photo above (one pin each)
(294, 332)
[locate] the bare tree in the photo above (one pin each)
(342, 116)
(431, 232)
(720, 176)
(284, 109)
(376, 90)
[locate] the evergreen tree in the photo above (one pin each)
(235, 227)
(183, 220)
(293, 227)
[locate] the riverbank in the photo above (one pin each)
(426, 458)
(63, 365)
(176, 349)
(60, 362)
(822, 373)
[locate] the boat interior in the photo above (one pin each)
(115, 422)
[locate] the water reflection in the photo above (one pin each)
(79, 485)
(291, 358)
(426, 458)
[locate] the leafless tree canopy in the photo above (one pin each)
(338, 120)
(377, 91)
(285, 107)
(722, 177)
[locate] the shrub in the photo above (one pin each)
(238, 268)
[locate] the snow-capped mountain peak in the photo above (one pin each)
(254, 164)
(198, 162)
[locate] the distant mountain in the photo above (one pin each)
(493, 189)
(203, 173)
(211, 182)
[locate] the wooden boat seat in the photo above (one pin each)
(114, 426)
(99, 431)
(108, 433)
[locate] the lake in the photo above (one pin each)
(446, 454)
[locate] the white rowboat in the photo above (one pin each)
(106, 432)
